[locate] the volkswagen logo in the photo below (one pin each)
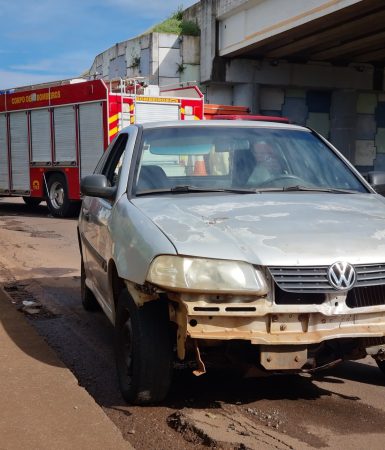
(341, 275)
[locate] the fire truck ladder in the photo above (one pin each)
(128, 87)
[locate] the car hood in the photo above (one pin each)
(294, 228)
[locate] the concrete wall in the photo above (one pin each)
(162, 58)
(219, 93)
(339, 102)
(309, 75)
(126, 59)
(353, 120)
(226, 6)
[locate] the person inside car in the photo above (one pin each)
(267, 163)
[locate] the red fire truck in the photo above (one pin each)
(51, 135)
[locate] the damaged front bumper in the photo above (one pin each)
(283, 333)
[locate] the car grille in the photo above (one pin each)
(297, 298)
(366, 296)
(358, 297)
(372, 341)
(314, 279)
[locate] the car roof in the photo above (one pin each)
(222, 123)
(258, 118)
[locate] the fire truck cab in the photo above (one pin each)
(52, 135)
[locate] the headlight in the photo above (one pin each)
(206, 275)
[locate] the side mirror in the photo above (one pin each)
(97, 186)
(377, 181)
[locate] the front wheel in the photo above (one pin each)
(57, 197)
(89, 301)
(143, 350)
(381, 365)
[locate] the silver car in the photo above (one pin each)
(248, 243)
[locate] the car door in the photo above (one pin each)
(95, 216)
(87, 231)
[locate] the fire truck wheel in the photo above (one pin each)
(143, 350)
(57, 197)
(89, 301)
(32, 201)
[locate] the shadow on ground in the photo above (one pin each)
(84, 342)
(11, 208)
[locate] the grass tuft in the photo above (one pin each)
(177, 25)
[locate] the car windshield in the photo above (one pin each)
(241, 159)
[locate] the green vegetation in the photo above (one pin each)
(176, 25)
(135, 62)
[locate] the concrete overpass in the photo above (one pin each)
(336, 31)
(318, 62)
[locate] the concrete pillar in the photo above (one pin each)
(154, 59)
(246, 94)
(208, 38)
(343, 121)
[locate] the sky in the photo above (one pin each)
(45, 40)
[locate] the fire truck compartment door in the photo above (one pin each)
(4, 173)
(19, 151)
(91, 136)
(156, 112)
(65, 134)
(41, 136)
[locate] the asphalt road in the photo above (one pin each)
(341, 407)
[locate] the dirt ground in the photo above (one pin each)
(341, 407)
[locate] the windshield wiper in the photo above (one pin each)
(181, 189)
(318, 189)
(189, 188)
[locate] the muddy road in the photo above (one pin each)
(341, 407)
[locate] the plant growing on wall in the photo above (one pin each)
(190, 28)
(180, 68)
(177, 25)
(135, 62)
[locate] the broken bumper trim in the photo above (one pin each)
(287, 328)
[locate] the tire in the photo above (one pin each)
(381, 365)
(58, 201)
(89, 301)
(32, 202)
(143, 350)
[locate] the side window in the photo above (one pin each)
(114, 159)
(103, 159)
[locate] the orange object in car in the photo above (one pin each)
(200, 167)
